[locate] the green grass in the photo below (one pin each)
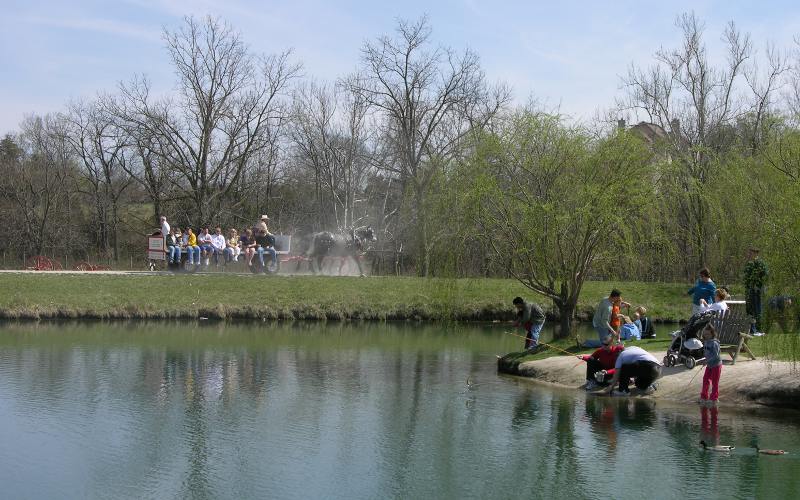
(297, 297)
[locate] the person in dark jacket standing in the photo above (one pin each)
(755, 280)
(530, 317)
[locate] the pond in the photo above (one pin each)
(346, 410)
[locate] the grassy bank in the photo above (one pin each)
(297, 297)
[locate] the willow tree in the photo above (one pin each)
(551, 202)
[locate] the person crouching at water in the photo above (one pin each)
(600, 364)
(530, 317)
(635, 362)
(711, 352)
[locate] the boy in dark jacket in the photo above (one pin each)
(530, 317)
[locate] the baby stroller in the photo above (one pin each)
(686, 348)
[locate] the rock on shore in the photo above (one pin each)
(747, 383)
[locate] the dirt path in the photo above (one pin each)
(747, 383)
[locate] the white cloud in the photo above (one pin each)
(99, 25)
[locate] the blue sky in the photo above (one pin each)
(567, 54)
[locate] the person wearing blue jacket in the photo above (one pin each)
(703, 289)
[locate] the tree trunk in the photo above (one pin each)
(566, 312)
(423, 254)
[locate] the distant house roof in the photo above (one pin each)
(650, 131)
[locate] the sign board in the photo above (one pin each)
(155, 248)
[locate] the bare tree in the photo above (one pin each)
(36, 185)
(429, 97)
(227, 100)
(101, 147)
(330, 137)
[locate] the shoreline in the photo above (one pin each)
(747, 384)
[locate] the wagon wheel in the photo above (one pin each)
(83, 266)
(38, 263)
(55, 265)
(273, 268)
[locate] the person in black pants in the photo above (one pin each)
(636, 363)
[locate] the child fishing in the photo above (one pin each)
(531, 318)
(713, 362)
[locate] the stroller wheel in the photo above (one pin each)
(672, 360)
(689, 362)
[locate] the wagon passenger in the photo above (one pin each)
(219, 243)
(174, 246)
(265, 245)
(206, 245)
(192, 250)
(248, 245)
(232, 248)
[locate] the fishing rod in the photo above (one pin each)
(545, 344)
(692, 379)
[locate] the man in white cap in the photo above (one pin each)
(261, 226)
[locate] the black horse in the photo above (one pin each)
(342, 245)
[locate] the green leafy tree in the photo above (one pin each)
(551, 202)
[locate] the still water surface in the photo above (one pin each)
(161, 410)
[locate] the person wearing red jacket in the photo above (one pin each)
(600, 364)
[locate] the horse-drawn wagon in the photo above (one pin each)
(157, 253)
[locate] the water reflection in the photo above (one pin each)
(356, 411)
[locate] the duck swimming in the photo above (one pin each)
(719, 447)
(770, 452)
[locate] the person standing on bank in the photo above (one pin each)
(711, 353)
(530, 317)
(703, 289)
(755, 280)
(603, 317)
(635, 362)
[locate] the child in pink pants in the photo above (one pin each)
(713, 366)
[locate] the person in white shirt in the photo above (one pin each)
(206, 248)
(218, 243)
(165, 229)
(636, 363)
(719, 304)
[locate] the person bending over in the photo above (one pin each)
(530, 317)
(635, 363)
